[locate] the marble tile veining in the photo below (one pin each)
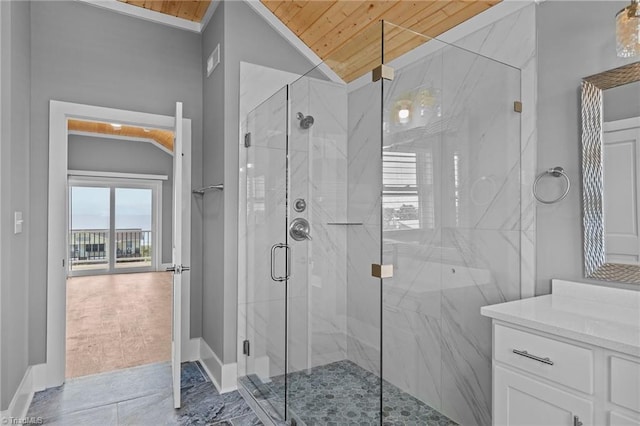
(107, 402)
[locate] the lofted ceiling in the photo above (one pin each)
(191, 10)
(346, 34)
(162, 137)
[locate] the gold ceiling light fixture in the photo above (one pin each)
(628, 30)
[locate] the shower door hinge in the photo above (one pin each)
(246, 348)
(382, 71)
(247, 140)
(517, 106)
(381, 271)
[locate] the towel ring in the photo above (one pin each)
(555, 172)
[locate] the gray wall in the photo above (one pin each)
(213, 173)
(14, 180)
(115, 155)
(575, 40)
(84, 54)
(243, 36)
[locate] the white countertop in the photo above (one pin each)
(597, 315)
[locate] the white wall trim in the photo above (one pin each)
(191, 350)
(207, 16)
(57, 216)
(293, 39)
(624, 124)
(2, 195)
(21, 399)
(146, 14)
(223, 376)
(116, 175)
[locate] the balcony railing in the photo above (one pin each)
(91, 248)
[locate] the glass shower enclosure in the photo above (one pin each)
(380, 211)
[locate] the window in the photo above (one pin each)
(408, 200)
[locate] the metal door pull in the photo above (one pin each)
(533, 357)
(273, 262)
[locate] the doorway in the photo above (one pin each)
(61, 115)
(118, 308)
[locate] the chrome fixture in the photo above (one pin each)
(287, 274)
(299, 229)
(204, 189)
(300, 205)
(555, 172)
(526, 354)
(628, 30)
(305, 122)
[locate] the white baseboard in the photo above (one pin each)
(191, 350)
(33, 380)
(223, 376)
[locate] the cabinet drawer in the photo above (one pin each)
(624, 383)
(548, 358)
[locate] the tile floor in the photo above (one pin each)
(342, 393)
(141, 396)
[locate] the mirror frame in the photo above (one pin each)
(595, 265)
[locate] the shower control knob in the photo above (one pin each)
(299, 205)
(299, 229)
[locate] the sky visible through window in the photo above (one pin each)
(90, 208)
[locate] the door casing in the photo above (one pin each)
(57, 246)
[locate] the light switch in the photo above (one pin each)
(17, 222)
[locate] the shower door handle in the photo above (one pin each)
(273, 262)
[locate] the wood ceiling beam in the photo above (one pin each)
(162, 137)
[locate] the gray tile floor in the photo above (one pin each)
(141, 396)
(342, 393)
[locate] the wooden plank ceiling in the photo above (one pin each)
(191, 10)
(346, 34)
(162, 137)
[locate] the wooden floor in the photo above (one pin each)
(117, 321)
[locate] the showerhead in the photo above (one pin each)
(305, 122)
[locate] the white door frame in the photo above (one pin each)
(57, 248)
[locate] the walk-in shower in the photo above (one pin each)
(369, 244)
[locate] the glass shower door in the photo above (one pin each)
(263, 356)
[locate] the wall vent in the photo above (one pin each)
(213, 60)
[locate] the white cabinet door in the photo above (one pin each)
(521, 401)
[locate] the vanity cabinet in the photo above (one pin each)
(523, 400)
(559, 361)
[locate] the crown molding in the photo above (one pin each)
(148, 15)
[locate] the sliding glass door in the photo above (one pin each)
(133, 227)
(114, 225)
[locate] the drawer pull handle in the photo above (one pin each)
(536, 358)
(576, 421)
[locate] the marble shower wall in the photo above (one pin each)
(318, 171)
(315, 299)
(475, 160)
(363, 240)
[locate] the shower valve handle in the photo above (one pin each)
(299, 229)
